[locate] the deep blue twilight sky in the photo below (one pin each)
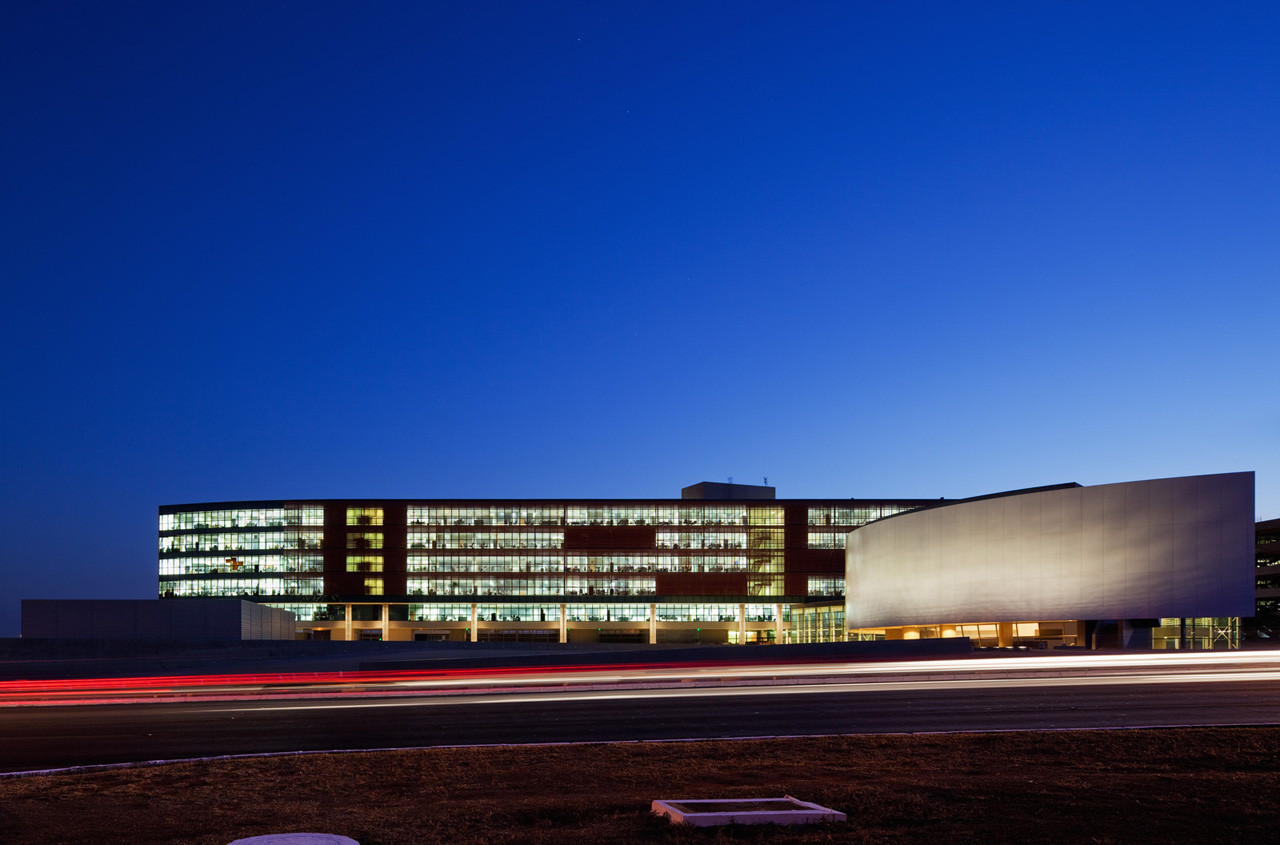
(470, 249)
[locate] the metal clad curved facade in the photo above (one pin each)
(1174, 547)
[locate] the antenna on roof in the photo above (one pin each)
(731, 479)
(766, 481)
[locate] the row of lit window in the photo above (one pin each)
(854, 516)
(700, 540)
(449, 586)
(304, 539)
(494, 563)
(234, 581)
(551, 613)
(764, 539)
(809, 617)
(364, 563)
(562, 586)
(612, 613)
(817, 625)
(606, 613)
(621, 515)
(242, 518)
(574, 567)
(553, 515)
(532, 612)
(242, 542)
(555, 540)
(576, 563)
(483, 586)
(241, 565)
(712, 613)
(364, 540)
(453, 612)
(758, 562)
(486, 540)
(825, 586)
(828, 539)
(764, 585)
(243, 587)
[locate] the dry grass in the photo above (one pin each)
(1205, 785)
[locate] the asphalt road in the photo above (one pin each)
(34, 738)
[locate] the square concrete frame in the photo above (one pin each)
(707, 812)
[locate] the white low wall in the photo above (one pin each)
(1141, 549)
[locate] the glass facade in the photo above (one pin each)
(250, 517)
(823, 624)
(486, 539)
(1200, 633)
(192, 565)
(624, 571)
(241, 587)
(730, 565)
(852, 517)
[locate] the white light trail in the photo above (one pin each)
(850, 687)
(1032, 669)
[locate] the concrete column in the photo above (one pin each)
(564, 623)
(742, 624)
(347, 616)
(386, 623)
(777, 623)
(653, 624)
(1004, 634)
(475, 630)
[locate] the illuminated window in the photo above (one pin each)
(607, 613)
(486, 539)
(297, 515)
(373, 586)
(364, 540)
(364, 563)
(242, 518)
(364, 516)
(234, 586)
(240, 541)
(700, 539)
(697, 612)
(827, 539)
(441, 612)
(518, 612)
(825, 585)
(764, 516)
(765, 538)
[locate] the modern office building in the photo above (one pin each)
(724, 563)
(1165, 563)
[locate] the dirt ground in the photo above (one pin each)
(1204, 785)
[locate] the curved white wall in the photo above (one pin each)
(1142, 549)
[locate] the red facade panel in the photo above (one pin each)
(702, 583)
